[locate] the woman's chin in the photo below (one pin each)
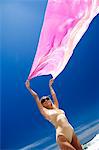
(51, 106)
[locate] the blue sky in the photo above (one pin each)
(77, 87)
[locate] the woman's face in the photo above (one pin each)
(47, 104)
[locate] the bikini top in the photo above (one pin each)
(52, 115)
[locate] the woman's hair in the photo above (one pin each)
(43, 98)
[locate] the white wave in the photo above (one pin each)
(37, 143)
(93, 144)
(52, 146)
(86, 126)
(84, 132)
(89, 132)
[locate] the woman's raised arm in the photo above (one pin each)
(36, 97)
(53, 93)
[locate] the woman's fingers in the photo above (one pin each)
(27, 83)
(51, 82)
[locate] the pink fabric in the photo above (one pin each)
(65, 22)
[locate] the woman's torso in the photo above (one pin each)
(55, 115)
(58, 118)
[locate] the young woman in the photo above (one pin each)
(65, 135)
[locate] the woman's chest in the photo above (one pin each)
(55, 112)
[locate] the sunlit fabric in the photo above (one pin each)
(64, 24)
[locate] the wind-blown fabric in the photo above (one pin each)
(65, 22)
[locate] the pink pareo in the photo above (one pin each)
(64, 24)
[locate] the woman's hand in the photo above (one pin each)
(51, 82)
(27, 84)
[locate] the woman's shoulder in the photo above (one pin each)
(54, 107)
(57, 108)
